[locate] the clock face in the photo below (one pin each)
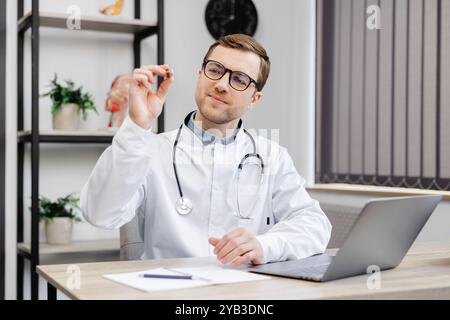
(224, 17)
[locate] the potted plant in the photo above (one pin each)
(58, 217)
(67, 102)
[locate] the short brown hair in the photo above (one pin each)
(246, 43)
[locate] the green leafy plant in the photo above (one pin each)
(62, 95)
(63, 207)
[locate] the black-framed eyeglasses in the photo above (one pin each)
(238, 80)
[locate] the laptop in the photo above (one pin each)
(378, 240)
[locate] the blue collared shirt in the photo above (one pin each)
(207, 137)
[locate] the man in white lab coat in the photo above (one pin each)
(209, 187)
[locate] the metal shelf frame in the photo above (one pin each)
(2, 144)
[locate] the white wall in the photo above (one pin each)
(286, 29)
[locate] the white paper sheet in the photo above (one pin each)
(221, 275)
(216, 275)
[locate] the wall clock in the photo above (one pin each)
(224, 17)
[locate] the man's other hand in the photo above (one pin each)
(237, 247)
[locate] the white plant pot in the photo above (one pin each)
(59, 231)
(67, 117)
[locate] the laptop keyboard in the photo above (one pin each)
(313, 272)
(309, 269)
(312, 268)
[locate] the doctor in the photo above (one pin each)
(210, 187)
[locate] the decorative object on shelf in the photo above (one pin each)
(112, 10)
(225, 17)
(67, 101)
(117, 101)
(58, 217)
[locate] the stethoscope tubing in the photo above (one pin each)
(174, 163)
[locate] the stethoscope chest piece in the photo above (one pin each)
(184, 206)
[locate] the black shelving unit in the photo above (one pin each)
(34, 20)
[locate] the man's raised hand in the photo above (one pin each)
(145, 104)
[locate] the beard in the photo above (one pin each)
(217, 116)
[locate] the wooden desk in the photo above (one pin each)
(423, 274)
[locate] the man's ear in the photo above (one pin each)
(255, 98)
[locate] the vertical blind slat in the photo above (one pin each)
(336, 85)
(370, 98)
(385, 89)
(438, 87)
(344, 85)
(363, 115)
(400, 86)
(319, 101)
(356, 123)
(414, 91)
(445, 92)
(393, 91)
(422, 86)
(429, 94)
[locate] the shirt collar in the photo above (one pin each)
(207, 137)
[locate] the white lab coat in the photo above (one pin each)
(135, 176)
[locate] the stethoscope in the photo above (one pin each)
(184, 204)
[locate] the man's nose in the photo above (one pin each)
(223, 84)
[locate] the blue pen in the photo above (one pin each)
(166, 276)
(180, 276)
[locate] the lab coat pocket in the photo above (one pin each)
(258, 224)
(250, 225)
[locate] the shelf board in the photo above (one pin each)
(109, 245)
(63, 136)
(103, 24)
